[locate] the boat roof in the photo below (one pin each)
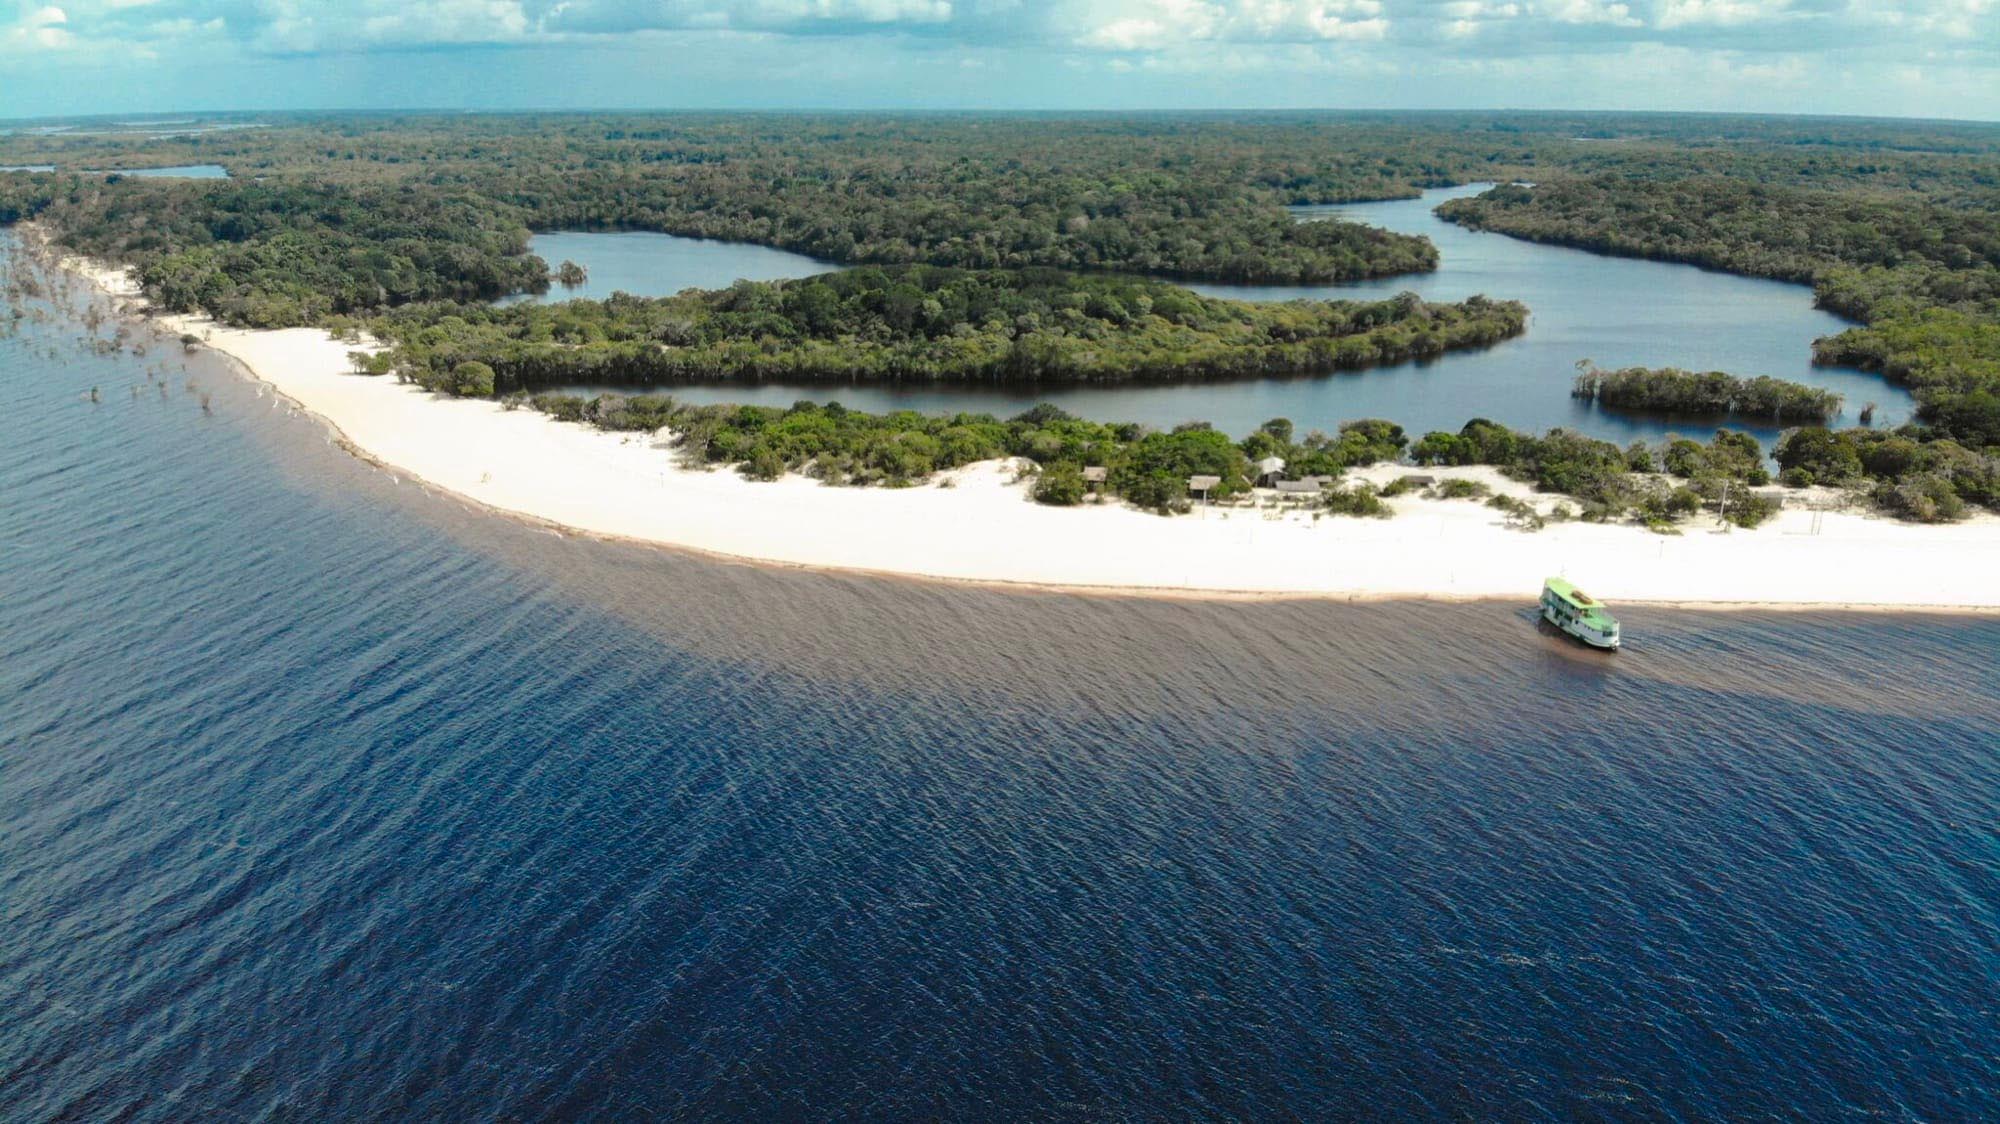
(1566, 590)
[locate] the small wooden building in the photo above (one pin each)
(1203, 485)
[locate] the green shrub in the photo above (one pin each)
(763, 463)
(1060, 485)
(472, 379)
(1459, 490)
(1750, 510)
(1520, 513)
(1669, 505)
(1818, 454)
(1357, 499)
(1924, 498)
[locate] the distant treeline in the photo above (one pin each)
(1712, 394)
(380, 210)
(928, 324)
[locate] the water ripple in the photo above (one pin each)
(322, 797)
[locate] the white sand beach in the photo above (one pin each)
(977, 524)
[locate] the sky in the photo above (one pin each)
(1920, 58)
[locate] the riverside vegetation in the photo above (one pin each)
(1922, 273)
(1150, 469)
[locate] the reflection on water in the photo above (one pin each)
(176, 172)
(1616, 311)
(657, 265)
(323, 795)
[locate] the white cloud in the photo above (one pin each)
(1468, 18)
(1481, 10)
(449, 21)
(307, 26)
(1961, 19)
(1320, 43)
(39, 28)
(1162, 24)
(1589, 12)
(1719, 13)
(611, 16)
(1965, 25)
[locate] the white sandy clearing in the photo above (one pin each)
(983, 528)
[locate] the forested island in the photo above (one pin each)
(924, 324)
(1710, 394)
(1024, 249)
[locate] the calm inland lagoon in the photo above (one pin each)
(1616, 311)
(323, 796)
(176, 172)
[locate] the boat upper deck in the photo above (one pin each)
(1588, 607)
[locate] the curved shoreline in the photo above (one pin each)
(976, 526)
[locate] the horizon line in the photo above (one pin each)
(917, 110)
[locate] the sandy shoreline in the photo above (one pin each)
(976, 524)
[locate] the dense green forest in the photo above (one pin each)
(274, 255)
(924, 323)
(1711, 394)
(1187, 196)
(1305, 157)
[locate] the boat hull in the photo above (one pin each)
(1580, 635)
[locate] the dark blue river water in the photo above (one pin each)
(325, 797)
(1616, 311)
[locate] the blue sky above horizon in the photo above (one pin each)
(1924, 58)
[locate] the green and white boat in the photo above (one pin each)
(1579, 614)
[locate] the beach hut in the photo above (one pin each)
(1094, 476)
(1269, 469)
(1308, 488)
(1203, 485)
